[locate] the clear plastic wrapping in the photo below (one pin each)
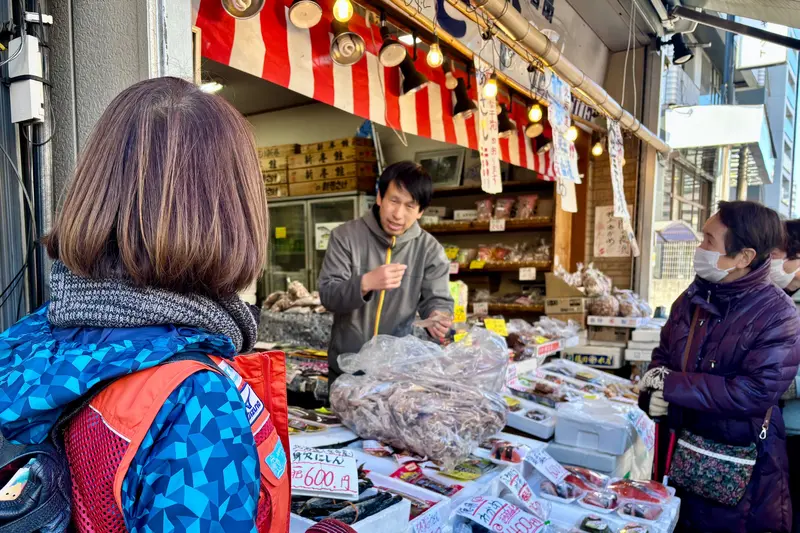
(526, 206)
(436, 402)
(631, 304)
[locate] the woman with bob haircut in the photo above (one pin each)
(164, 221)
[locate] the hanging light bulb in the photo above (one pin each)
(305, 14)
(450, 80)
(490, 88)
(597, 149)
(347, 47)
(435, 57)
(505, 126)
(572, 134)
(343, 10)
(392, 53)
(535, 113)
(534, 129)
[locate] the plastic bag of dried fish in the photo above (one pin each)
(414, 395)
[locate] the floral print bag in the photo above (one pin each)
(715, 471)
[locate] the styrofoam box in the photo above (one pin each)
(646, 335)
(610, 465)
(540, 430)
(442, 506)
(640, 345)
(592, 430)
(616, 321)
(638, 355)
(391, 520)
(596, 356)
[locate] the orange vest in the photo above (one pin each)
(127, 409)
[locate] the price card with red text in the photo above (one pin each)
(549, 467)
(498, 515)
(527, 274)
(324, 473)
(497, 224)
(430, 522)
(513, 481)
(480, 308)
(454, 268)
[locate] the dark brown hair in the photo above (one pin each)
(167, 194)
(751, 225)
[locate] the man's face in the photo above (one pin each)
(714, 232)
(398, 210)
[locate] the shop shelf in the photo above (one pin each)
(498, 309)
(507, 187)
(483, 227)
(540, 266)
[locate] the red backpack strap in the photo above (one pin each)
(130, 405)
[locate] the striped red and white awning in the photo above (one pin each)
(271, 47)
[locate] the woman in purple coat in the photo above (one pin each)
(743, 355)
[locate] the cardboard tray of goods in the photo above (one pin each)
(366, 169)
(556, 287)
(330, 157)
(331, 186)
(335, 144)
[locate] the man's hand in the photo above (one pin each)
(441, 325)
(383, 278)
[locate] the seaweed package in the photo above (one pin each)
(413, 395)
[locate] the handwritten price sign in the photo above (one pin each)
(513, 481)
(430, 522)
(549, 467)
(498, 515)
(645, 427)
(331, 473)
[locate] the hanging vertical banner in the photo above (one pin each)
(488, 133)
(558, 112)
(616, 155)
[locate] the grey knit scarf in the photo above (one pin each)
(109, 303)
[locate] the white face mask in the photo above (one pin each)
(778, 276)
(705, 264)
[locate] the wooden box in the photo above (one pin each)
(277, 191)
(273, 164)
(335, 144)
(331, 186)
(275, 152)
(271, 177)
(351, 154)
(341, 170)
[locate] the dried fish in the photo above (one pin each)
(363, 509)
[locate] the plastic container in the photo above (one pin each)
(442, 506)
(587, 502)
(603, 463)
(634, 511)
(596, 425)
(547, 494)
(541, 429)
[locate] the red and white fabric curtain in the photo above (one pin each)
(271, 47)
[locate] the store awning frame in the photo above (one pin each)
(784, 12)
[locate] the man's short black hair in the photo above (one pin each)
(792, 239)
(751, 225)
(410, 177)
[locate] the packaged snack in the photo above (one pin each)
(418, 507)
(634, 528)
(640, 491)
(603, 502)
(503, 208)
(489, 443)
(377, 449)
(643, 511)
(484, 208)
(466, 255)
(482, 295)
(526, 206)
(314, 417)
(470, 470)
(507, 453)
(606, 305)
(500, 253)
(451, 251)
(595, 282)
(564, 493)
(402, 457)
(485, 253)
(412, 473)
(585, 478)
(513, 404)
(594, 524)
(537, 416)
(303, 427)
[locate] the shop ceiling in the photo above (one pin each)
(610, 20)
(785, 12)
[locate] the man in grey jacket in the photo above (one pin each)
(385, 263)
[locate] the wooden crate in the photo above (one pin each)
(274, 152)
(277, 191)
(335, 144)
(341, 170)
(272, 177)
(331, 186)
(329, 157)
(273, 164)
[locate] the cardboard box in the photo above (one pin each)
(580, 318)
(277, 191)
(638, 355)
(333, 157)
(341, 170)
(273, 164)
(335, 144)
(273, 152)
(617, 321)
(646, 335)
(564, 305)
(465, 215)
(556, 287)
(635, 345)
(331, 186)
(609, 334)
(596, 356)
(273, 177)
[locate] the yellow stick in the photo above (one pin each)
(383, 292)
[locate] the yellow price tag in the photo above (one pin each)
(477, 265)
(460, 314)
(497, 325)
(280, 233)
(458, 337)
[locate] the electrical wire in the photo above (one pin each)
(22, 35)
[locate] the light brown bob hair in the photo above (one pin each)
(167, 194)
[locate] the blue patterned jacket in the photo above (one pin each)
(197, 469)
